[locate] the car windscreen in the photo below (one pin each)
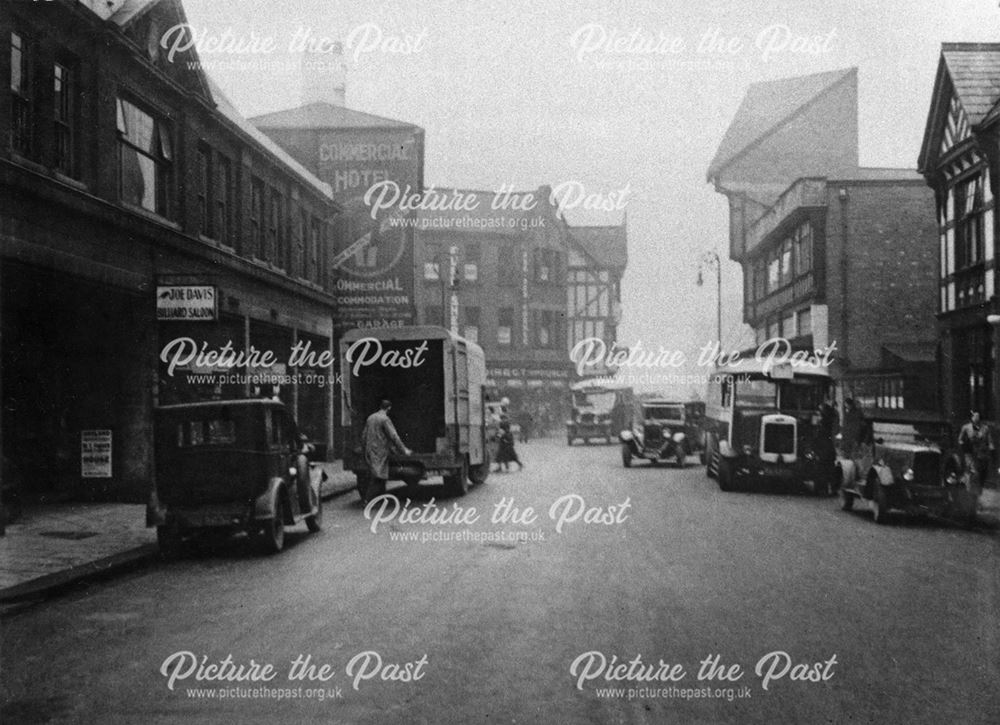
(918, 433)
(598, 402)
(664, 412)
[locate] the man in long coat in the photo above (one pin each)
(379, 439)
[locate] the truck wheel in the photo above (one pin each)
(315, 522)
(626, 456)
(170, 542)
(362, 485)
(479, 473)
(846, 500)
(725, 475)
(711, 461)
(457, 482)
(880, 504)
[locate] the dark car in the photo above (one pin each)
(662, 430)
(237, 465)
(904, 462)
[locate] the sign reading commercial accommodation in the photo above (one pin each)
(186, 303)
(95, 454)
(373, 265)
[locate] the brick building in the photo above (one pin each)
(960, 159)
(832, 253)
(138, 207)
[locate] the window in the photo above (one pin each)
(144, 158)
(223, 200)
(759, 279)
(786, 262)
(788, 326)
(968, 234)
(432, 262)
(505, 325)
(20, 90)
(300, 235)
(275, 236)
(64, 118)
(256, 216)
(803, 249)
(204, 186)
(545, 328)
(470, 331)
(508, 270)
(774, 328)
(312, 253)
(803, 321)
(470, 270)
(773, 273)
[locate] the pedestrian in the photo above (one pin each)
(506, 453)
(975, 440)
(525, 420)
(851, 431)
(379, 438)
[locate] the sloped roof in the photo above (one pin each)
(227, 109)
(324, 115)
(766, 107)
(974, 69)
(130, 10)
(607, 245)
(970, 71)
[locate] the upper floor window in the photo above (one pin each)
(313, 253)
(256, 217)
(20, 93)
(204, 189)
(432, 262)
(470, 331)
(470, 269)
(275, 250)
(508, 268)
(802, 243)
(505, 326)
(969, 222)
(64, 118)
(144, 158)
(223, 199)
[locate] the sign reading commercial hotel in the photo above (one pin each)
(95, 454)
(186, 302)
(374, 262)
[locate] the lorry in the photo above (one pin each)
(435, 381)
(598, 409)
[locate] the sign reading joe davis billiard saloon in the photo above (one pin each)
(186, 302)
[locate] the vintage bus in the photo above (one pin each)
(770, 422)
(598, 410)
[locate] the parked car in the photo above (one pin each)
(905, 462)
(233, 465)
(662, 430)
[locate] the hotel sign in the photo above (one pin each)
(186, 303)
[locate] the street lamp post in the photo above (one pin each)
(710, 260)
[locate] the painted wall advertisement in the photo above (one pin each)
(374, 262)
(95, 454)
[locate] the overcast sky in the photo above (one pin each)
(511, 93)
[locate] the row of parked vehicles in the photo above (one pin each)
(765, 423)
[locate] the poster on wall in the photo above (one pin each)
(95, 453)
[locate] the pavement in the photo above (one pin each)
(52, 547)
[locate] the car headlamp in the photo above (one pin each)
(908, 474)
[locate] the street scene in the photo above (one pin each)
(500, 611)
(376, 362)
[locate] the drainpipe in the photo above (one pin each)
(844, 242)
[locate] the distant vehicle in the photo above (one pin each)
(762, 423)
(906, 463)
(662, 430)
(598, 410)
(233, 465)
(435, 381)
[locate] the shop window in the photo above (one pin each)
(144, 158)
(22, 137)
(64, 117)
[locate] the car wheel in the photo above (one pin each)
(681, 458)
(457, 482)
(626, 456)
(170, 541)
(315, 522)
(880, 505)
(846, 499)
(273, 536)
(725, 474)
